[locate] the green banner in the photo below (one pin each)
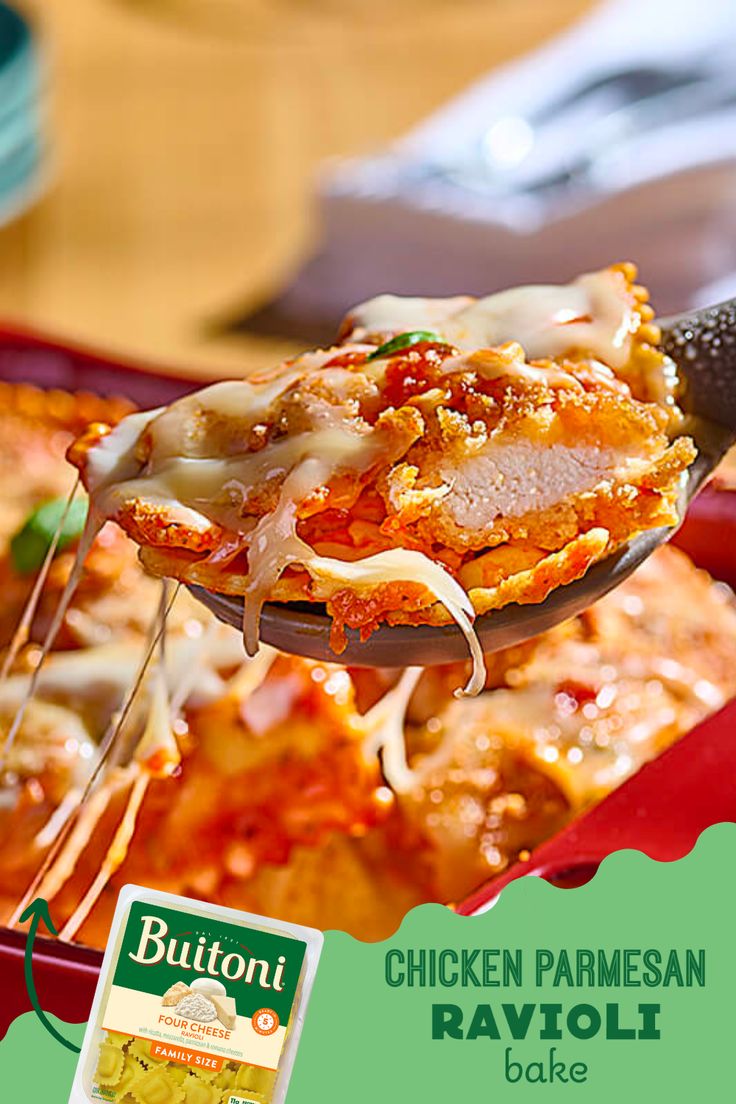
(622, 989)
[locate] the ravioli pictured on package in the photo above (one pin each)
(196, 1004)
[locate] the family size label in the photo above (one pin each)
(202, 992)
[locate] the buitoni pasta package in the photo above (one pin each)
(196, 1004)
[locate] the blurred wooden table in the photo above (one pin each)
(185, 136)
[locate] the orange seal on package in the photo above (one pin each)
(265, 1021)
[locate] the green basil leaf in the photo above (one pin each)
(404, 341)
(30, 544)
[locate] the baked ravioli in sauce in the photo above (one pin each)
(298, 779)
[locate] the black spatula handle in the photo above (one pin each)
(702, 344)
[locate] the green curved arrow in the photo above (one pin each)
(37, 911)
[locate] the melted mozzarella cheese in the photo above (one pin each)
(396, 313)
(200, 490)
(157, 750)
(384, 727)
(114, 458)
(402, 565)
(509, 363)
(215, 488)
(594, 313)
(105, 672)
(315, 359)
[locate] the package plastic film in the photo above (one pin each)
(196, 1004)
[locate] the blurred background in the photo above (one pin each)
(192, 160)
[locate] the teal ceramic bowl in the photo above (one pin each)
(21, 153)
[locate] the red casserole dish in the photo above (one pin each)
(661, 810)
